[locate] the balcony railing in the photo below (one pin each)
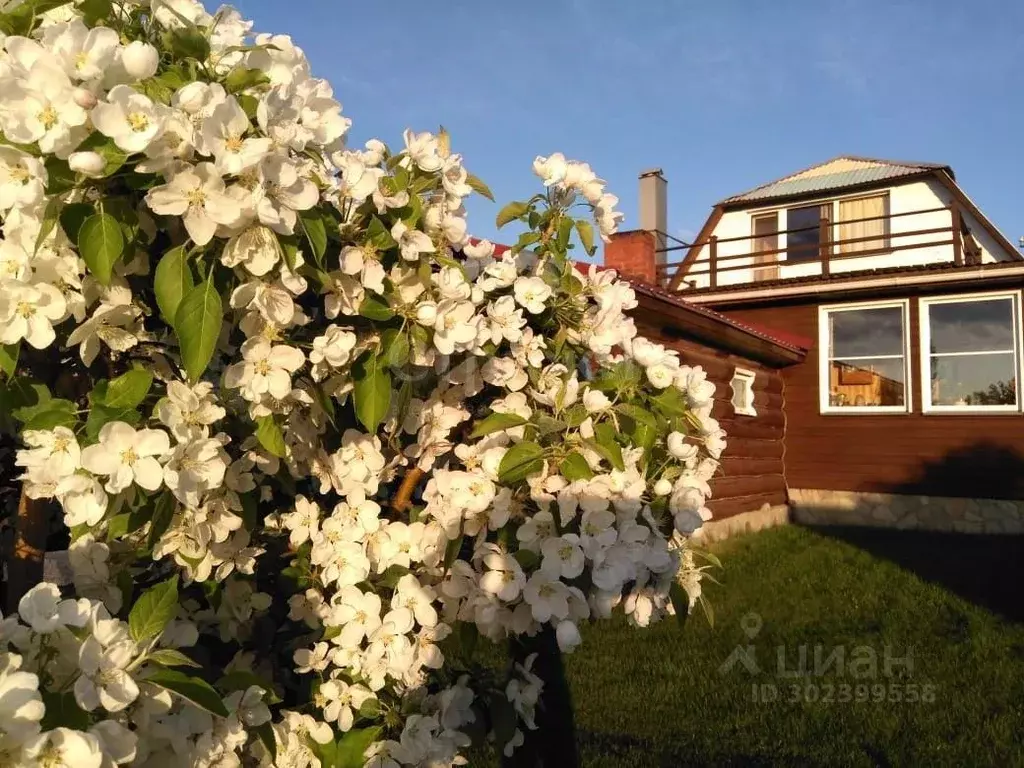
(768, 263)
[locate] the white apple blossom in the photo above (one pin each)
(462, 450)
(132, 120)
(531, 293)
(127, 456)
(411, 242)
(29, 312)
(196, 194)
(140, 60)
(266, 369)
(22, 179)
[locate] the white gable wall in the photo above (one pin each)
(918, 195)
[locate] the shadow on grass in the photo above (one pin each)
(986, 570)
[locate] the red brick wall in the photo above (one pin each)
(632, 255)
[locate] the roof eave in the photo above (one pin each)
(702, 326)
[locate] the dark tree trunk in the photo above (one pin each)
(553, 744)
(25, 568)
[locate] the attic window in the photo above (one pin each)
(743, 392)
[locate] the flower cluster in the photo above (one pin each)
(278, 391)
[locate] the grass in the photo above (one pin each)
(658, 698)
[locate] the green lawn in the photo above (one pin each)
(658, 697)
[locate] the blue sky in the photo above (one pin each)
(723, 95)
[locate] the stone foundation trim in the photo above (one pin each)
(746, 522)
(890, 510)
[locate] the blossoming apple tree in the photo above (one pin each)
(304, 432)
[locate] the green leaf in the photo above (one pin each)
(163, 515)
(249, 103)
(574, 467)
(376, 308)
(586, 232)
(62, 711)
(128, 389)
(117, 526)
(637, 414)
(9, 358)
(670, 402)
(172, 282)
(479, 187)
(526, 240)
(162, 87)
(380, 236)
(371, 394)
(353, 745)
(171, 657)
(105, 147)
(604, 435)
(72, 218)
(187, 43)
(154, 608)
(242, 79)
(59, 176)
(547, 425)
(392, 575)
(290, 252)
(621, 377)
(94, 11)
(511, 212)
(394, 348)
(21, 20)
(192, 689)
(520, 461)
(101, 244)
(370, 709)
(316, 233)
(496, 422)
(269, 434)
(680, 602)
(197, 323)
(51, 215)
(527, 559)
(100, 414)
(265, 732)
(47, 414)
(123, 210)
(451, 550)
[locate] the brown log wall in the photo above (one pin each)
(753, 467)
(974, 456)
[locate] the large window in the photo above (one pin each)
(864, 358)
(970, 353)
(861, 218)
(804, 244)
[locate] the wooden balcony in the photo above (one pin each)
(719, 261)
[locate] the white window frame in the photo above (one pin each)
(824, 360)
(743, 378)
(926, 362)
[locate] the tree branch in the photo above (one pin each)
(403, 496)
(25, 568)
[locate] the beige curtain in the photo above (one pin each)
(849, 228)
(766, 238)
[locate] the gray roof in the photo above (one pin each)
(851, 171)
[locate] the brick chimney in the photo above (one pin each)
(635, 254)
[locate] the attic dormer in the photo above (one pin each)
(845, 216)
